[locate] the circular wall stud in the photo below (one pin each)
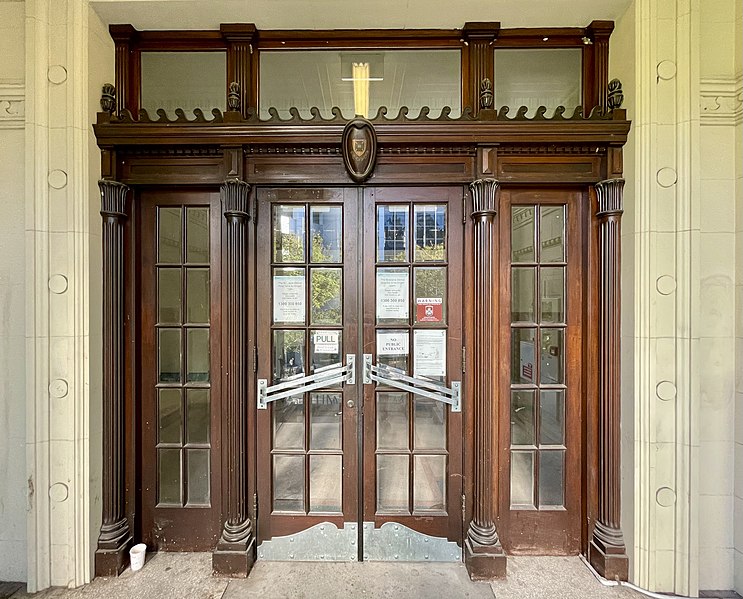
(57, 74)
(58, 284)
(57, 179)
(666, 177)
(58, 388)
(665, 496)
(665, 284)
(666, 69)
(59, 492)
(665, 390)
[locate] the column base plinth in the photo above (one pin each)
(234, 559)
(609, 561)
(484, 562)
(112, 560)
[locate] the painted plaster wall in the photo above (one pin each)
(12, 297)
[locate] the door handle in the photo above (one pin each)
(394, 377)
(322, 377)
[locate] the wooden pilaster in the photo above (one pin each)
(607, 552)
(478, 58)
(484, 555)
(126, 82)
(239, 38)
(596, 64)
(234, 555)
(111, 556)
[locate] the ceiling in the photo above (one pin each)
(346, 14)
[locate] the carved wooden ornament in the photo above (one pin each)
(359, 147)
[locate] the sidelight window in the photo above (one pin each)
(183, 340)
(538, 329)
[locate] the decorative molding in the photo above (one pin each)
(510, 150)
(560, 114)
(172, 151)
(721, 101)
(12, 105)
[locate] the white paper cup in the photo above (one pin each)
(137, 555)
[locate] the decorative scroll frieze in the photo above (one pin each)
(560, 114)
(12, 105)
(721, 101)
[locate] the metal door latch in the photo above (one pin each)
(394, 377)
(322, 377)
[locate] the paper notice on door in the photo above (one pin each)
(430, 353)
(288, 298)
(393, 343)
(392, 294)
(326, 342)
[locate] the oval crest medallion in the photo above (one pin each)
(359, 147)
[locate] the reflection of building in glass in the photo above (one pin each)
(430, 226)
(326, 229)
(392, 225)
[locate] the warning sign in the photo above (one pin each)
(429, 309)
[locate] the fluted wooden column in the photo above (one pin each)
(234, 553)
(484, 555)
(607, 551)
(111, 556)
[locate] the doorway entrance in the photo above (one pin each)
(359, 369)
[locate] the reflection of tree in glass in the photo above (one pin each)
(288, 247)
(326, 287)
(430, 253)
(430, 282)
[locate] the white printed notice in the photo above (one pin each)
(326, 342)
(288, 298)
(392, 294)
(392, 343)
(430, 353)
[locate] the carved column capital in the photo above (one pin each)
(113, 198)
(484, 198)
(235, 196)
(610, 194)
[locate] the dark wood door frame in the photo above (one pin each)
(578, 152)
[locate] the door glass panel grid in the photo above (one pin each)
(183, 411)
(411, 285)
(538, 342)
(306, 335)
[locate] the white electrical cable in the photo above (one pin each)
(615, 583)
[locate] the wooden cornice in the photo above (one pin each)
(606, 131)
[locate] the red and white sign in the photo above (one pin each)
(429, 309)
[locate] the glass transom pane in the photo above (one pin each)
(185, 80)
(359, 82)
(538, 77)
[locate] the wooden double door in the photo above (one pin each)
(359, 369)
